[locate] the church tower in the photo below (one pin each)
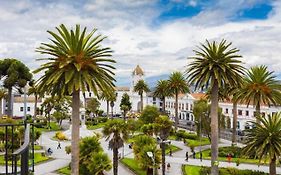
(137, 75)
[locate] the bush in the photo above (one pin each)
(233, 150)
(182, 134)
(230, 171)
(60, 136)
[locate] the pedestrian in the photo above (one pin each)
(186, 156)
(59, 146)
(171, 152)
(201, 156)
(49, 151)
(229, 158)
(194, 155)
(168, 166)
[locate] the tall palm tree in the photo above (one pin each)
(108, 97)
(215, 65)
(264, 140)
(177, 84)
(117, 132)
(76, 61)
(162, 91)
(260, 86)
(33, 90)
(141, 87)
(3, 95)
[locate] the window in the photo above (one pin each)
(186, 106)
(28, 108)
(191, 107)
(247, 113)
(226, 110)
(239, 112)
(21, 109)
(238, 125)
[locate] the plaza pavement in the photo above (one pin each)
(61, 159)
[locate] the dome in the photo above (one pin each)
(138, 71)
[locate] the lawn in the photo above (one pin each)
(173, 147)
(38, 158)
(132, 164)
(37, 147)
(65, 170)
(54, 127)
(206, 155)
(195, 170)
(195, 143)
(97, 126)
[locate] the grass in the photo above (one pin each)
(97, 126)
(132, 164)
(195, 143)
(37, 147)
(65, 170)
(206, 155)
(173, 147)
(53, 127)
(38, 158)
(195, 170)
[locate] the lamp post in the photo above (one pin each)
(150, 154)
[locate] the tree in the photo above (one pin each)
(260, 86)
(3, 95)
(47, 106)
(33, 91)
(76, 61)
(125, 104)
(14, 74)
(93, 105)
(264, 140)
(163, 126)
(215, 65)
(149, 114)
(177, 85)
(140, 88)
(108, 97)
(117, 133)
(162, 91)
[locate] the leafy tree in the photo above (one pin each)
(125, 104)
(163, 126)
(260, 86)
(47, 106)
(140, 88)
(215, 65)
(149, 114)
(3, 95)
(147, 129)
(76, 61)
(15, 74)
(162, 91)
(93, 105)
(177, 84)
(264, 140)
(116, 131)
(142, 145)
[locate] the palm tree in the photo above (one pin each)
(117, 131)
(76, 61)
(264, 140)
(141, 87)
(215, 65)
(260, 86)
(3, 95)
(177, 85)
(108, 97)
(162, 91)
(33, 90)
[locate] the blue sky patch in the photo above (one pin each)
(259, 11)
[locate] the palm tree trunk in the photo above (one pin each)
(115, 161)
(164, 105)
(35, 106)
(214, 129)
(1, 104)
(112, 112)
(272, 166)
(75, 133)
(141, 102)
(163, 158)
(176, 112)
(234, 123)
(9, 111)
(258, 112)
(107, 108)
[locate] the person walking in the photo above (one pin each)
(171, 152)
(59, 146)
(168, 167)
(186, 156)
(194, 155)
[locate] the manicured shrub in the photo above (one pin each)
(60, 136)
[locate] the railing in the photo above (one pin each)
(22, 153)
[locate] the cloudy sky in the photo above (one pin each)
(158, 35)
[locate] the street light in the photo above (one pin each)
(150, 154)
